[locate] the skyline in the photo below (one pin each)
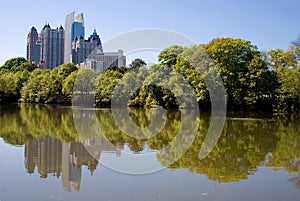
(266, 25)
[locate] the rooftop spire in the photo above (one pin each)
(33, 29)
(46, 26)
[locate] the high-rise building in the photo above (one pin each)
(96, 39)
(52, 47)
(74, 28)
(33, 46)
(82, 48)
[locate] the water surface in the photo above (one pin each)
(46, 156)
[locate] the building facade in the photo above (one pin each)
(100, 61)
(33, 46)
(52, 47)
(82, 48)
(74, 28)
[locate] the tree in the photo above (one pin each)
(37, 89)
(195, 65)
(137, 63)
(130, 86)
(57, 77)
(287, 70)
(169, 55)
(8, 88)
(295, 47)
(68, 85)
(242, 69)
(45, 86)
(14, 74)
(64, 70)
(84, 87)
(107, 83)
(17, 64)
(281, 59)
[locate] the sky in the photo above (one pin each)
(267, 24)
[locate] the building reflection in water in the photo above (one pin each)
(296, 175)
(51, 156)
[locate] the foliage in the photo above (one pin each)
(17, 64)
(287, 69)
(137, 63)
(37, 89)
(253, 80)
(14, 73)
(242, 69)
(107, 83)
(295, 47)
(45, 86)
(169, 55)
(8, 88)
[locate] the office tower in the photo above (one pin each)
(52, 47)
(82, 48)
(74, 28)
(33, 46)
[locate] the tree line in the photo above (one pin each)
(253, 80)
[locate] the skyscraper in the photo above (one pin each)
(33, 46)
(52, 46)
(74, 28)
(82, 48)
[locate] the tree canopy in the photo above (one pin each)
(253, 80)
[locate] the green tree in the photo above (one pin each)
(57, 78)
(242, 69)
(195, 65)
(295, 47)
(169, 55)
(45, 86)
(68, 85)
(37, 89)
(137, 63)
(107, 83)
(8, 88)
(84, 87)
(279, 59)
(17, 64)
(288, 71)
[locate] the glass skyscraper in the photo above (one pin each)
(74, 28)
(77, 31)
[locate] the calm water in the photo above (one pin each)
(54, 153)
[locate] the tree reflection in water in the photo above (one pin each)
(53, 145)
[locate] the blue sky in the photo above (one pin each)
(267, 24)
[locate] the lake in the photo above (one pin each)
(64, 153)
